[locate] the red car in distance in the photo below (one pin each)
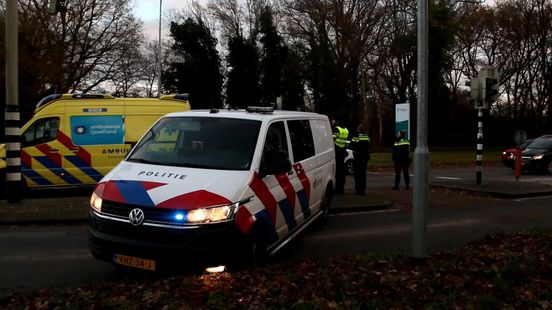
(508, 155)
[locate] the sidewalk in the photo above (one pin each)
(75, 209)
(496, 188)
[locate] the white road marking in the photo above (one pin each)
(532, 198)
(365, 212)
(448, 178)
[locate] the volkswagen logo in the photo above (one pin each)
(136, 217)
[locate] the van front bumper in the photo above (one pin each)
(200, 245)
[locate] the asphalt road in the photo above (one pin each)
(47, 256)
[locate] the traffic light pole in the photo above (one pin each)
(479, 153)
(13, 142)
(484, 91)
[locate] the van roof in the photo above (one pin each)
(75, 97)
(245, 114)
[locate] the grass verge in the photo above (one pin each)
(502, 271)
(441, 158)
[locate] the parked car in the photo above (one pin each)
(537, 155)
(349, 162)
(508, 155)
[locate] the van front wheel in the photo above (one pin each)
(256, 247)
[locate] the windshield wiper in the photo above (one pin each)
(143, 161)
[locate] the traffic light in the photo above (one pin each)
(491, 89)
(57, 6)
(475, 90)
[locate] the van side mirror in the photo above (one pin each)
(274, 162)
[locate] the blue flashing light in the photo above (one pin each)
(179, 216)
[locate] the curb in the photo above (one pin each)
(349, 202)
(498, 189)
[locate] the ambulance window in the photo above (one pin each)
(41, 131)
(300, 134)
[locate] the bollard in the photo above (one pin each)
(517, 169)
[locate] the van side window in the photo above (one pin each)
(301, 139)
(276, 140)
(42, 131)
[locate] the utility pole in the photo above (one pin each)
(421, 153)
(159, 53)
(13, 140)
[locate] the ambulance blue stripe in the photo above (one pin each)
(34, 176)
(69, 178)
(304, 202)
(48, 163)
(52, 166)
(272, 235)
(134, 193)
(84, 167)
(287, 211)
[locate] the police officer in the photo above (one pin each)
(340, 135)
(360, 144)
(401, 158)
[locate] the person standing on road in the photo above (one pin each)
(401, 159)
(340, 135)
(360, 144)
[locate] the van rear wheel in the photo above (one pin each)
(325, 206)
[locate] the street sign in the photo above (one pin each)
(520, 137)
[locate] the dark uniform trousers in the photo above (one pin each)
(340, 154)
(360, 164)
(401, 157)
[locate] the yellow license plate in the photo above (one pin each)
(135, 262)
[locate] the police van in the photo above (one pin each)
(214, 187)
(75, 139)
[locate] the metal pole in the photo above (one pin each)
(13, 142)
(479, 153)
(159, 53)
(421, 153)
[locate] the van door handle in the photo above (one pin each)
(74, 149)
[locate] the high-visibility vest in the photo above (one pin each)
(402, 142)
(361, 137)
(340, 138)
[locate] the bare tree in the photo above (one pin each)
(85, 43)
(341, 38)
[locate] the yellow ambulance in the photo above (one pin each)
(76, 139)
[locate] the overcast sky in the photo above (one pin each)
(148, 12)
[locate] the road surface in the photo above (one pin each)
(47, 256)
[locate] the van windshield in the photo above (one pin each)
(199, 142)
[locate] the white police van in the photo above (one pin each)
(214, 187)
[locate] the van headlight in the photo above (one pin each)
(537, 157)
(213, 214)
(96, 202)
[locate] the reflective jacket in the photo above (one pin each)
(340, 136)
(401, 151)
(361, 144)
